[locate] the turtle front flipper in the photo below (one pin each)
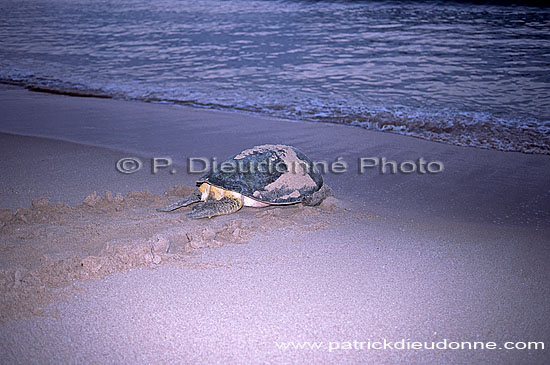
(212, 207)
(188, 200)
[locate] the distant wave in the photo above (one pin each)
(532, 3)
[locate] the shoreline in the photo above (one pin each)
(462, 254)
(529, 147)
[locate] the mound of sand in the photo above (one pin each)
(45, 247)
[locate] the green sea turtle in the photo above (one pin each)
(257, 177)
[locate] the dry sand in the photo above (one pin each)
(102, 277)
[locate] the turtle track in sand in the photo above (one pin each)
(47, 247)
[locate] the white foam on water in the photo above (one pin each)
(465, 74)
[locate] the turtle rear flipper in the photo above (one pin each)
(188, 200)
(317, 197)
(211, 208)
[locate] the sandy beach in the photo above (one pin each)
(91, 273)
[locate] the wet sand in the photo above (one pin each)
(461, 255)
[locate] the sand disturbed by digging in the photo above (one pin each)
(45, 247)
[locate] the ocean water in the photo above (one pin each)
(464, 73)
